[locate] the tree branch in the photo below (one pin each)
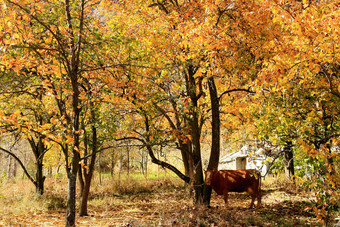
(21, 164)
(236, 89)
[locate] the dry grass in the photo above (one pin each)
(137, 201)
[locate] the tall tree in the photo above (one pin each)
(187, 45)
(58, 41)
(304, 68)
(24, 116)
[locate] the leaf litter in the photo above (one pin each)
(173, 206)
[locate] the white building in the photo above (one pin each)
(246, 158)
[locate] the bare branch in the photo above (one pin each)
(20, 163)
(234, 90)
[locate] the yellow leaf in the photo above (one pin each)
(69, 140)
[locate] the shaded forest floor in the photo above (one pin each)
(153, 202)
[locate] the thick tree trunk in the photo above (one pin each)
(187, 158)
(288, 161)
(86, 191)
(84, 197)
(72, 171)
(38, 149)
(71, 198)
(195, 132)
(40, 178)
(89, 173)
(215, 134)
(197, 161)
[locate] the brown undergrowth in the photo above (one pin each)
(152, 202)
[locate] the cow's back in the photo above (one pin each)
(239, 180)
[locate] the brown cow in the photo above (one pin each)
(225, 181)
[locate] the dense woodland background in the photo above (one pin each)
(96, 88)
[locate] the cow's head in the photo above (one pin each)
(208, 176)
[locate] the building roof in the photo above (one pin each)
(242, 153)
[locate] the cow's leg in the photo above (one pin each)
(253, 196)
(225, 194)
(258, 199)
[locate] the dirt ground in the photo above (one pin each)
(168, 206)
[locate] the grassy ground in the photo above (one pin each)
(137, 201)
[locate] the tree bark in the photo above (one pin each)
(39, 150)
(185, 149)
(72, 171)
(195, 132)
(9, 165)
(113, 162)
(71, 197)
(215, 134)
(288, 161)
(40, 178)
(89, 172)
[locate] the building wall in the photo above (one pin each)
(246, 163)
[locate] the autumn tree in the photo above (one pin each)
(57, 41)
(188, 47)
(24, 116)
(304, 69)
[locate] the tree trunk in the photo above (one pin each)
(85, 193)
(112, 163)
(39, 152)
(81, 180)
(195, 132)
(128, 160)
(120, 165)
(215, 134)
(40, 178)
(100, 169)
(146, 164)
(9, 165)
(84, 197)
(71, 198)
(15, 169)
(89, 173)
(187, 158)
(288, 161)
(142, 164)
(72, 171)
